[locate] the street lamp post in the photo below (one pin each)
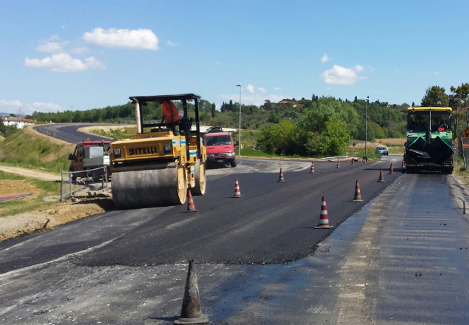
(366, 123)
(239, 126)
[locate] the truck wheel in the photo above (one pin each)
(233, 163)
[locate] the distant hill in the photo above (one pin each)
(8, 114)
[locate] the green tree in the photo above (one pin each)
(459, 102)
(3, 128)
(332, 141)
(435, 96)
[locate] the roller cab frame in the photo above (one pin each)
(156, 167)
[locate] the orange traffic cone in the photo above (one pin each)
(403, 165)
(191, 312)
(324, 217)
(353, 161)
(311, 171)
(237, 192)
(381, 176)
(338, 164)
(281, 179)
(190, 203)
(358, 195)
(391, 169)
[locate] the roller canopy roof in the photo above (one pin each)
(427, 109)
(165, 97)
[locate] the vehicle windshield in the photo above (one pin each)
(420, 121)
(217, 140)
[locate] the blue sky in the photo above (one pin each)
(78, 55)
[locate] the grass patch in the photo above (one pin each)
(118, 133)
(40, 189)
(25, 149)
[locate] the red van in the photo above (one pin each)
(220, 146)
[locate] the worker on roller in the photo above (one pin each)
(170, 114)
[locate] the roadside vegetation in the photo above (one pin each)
(25, 148)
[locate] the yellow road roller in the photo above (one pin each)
(163, 160)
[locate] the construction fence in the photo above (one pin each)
(78, 184)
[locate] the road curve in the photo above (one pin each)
(69, 131)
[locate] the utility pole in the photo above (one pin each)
(366, 125)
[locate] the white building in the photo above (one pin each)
(19, 122)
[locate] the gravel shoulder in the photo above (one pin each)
(56, 213)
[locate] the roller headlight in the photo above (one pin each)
(167, 148)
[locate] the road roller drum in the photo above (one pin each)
(149, 188)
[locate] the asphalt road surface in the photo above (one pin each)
(400, 257)
(69, 132)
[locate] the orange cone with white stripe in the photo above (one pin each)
(324, 217)
(237, 192)
(358, 195)
(311, 171)
(281, 179)
(391, 169)
(338, 164)
(190, 202)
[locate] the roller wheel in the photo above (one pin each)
(200, 179)
(149, 188)
(182, 185)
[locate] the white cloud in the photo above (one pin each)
(342, 76)
(262, 90)
(143, 39)
(63, 62)
(358, 68)
(50, 47)
(250, 88)
(172, 43)
(277, 88)
(79, 50)
(325, 58)
(10, 106)
(43, 107)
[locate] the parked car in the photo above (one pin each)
(220, 146)
(382, 150)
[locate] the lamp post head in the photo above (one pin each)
(238, 85)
